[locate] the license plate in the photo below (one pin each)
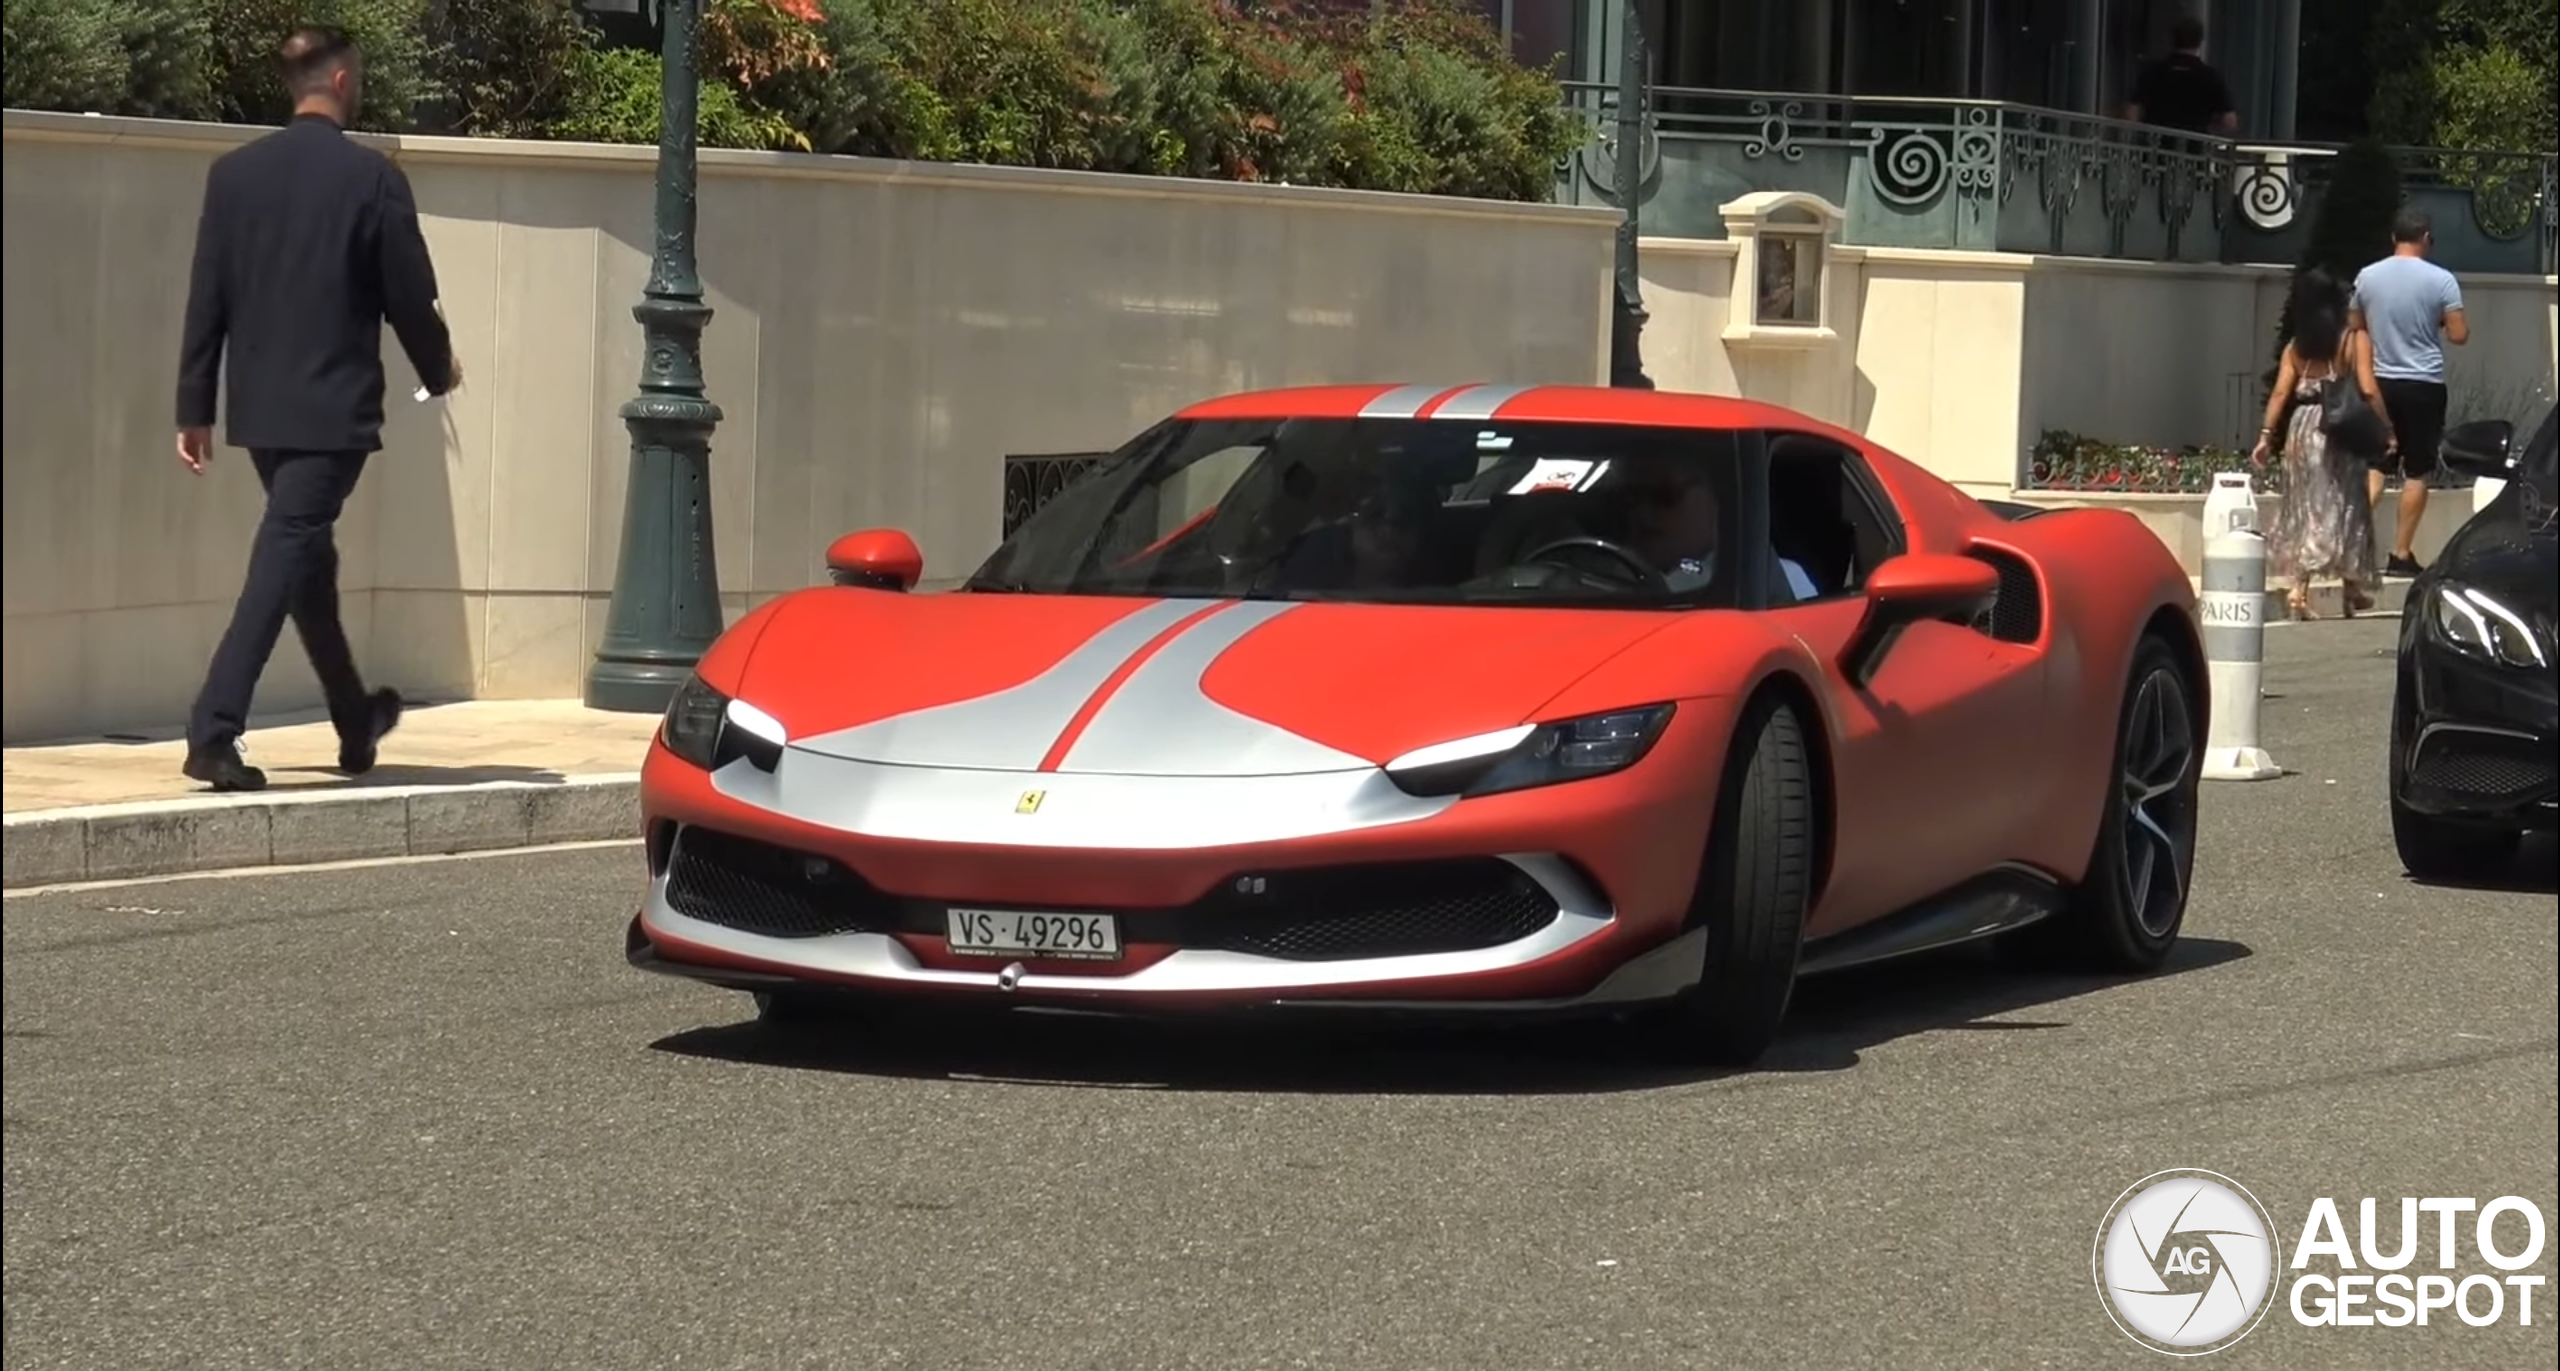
(1021, 933)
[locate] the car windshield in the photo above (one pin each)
(1389, 510)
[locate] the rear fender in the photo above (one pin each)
(2108, 582)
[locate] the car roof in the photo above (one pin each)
(1485, 402)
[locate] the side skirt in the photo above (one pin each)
(1993, 903)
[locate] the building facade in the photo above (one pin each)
(2078, 56)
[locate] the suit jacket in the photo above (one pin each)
(307, 245)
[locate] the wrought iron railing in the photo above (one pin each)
(1989, 175)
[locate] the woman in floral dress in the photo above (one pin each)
(2323, 527)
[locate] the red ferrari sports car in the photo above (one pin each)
(1532, 698)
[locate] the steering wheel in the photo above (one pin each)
(1626, 558)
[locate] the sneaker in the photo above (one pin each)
(225, 769)
(356, 755)
(2401, 566)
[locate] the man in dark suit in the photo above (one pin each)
(307, 245)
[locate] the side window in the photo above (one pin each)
(1826, 523)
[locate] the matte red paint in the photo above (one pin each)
(884, 552)
(1119, 677)
(851, 657)
(1963, 753)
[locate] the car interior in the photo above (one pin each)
(1469, 507)
(1821, 516)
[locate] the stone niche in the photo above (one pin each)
(1787, 271)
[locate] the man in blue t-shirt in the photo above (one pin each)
(2413, 309)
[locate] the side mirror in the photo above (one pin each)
(1911, 589)
(875, 559)
(2479, 448)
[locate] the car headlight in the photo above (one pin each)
(2475, 623)
(711, 730)
(1532, 754)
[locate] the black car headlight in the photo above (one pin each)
(2474, 623)
(1532, 754)
(711, 730)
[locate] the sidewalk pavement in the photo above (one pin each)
(454, 777)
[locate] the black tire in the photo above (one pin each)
(1753, 889)
(2432, 848)
(2124, 918)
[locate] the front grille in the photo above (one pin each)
(1390, 910)
(759, 888)
(1393, 909)
(2490, 766)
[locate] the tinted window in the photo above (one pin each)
(1825, 529)
(1390, 510)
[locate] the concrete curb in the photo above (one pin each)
(290, 828)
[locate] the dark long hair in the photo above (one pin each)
(2319, 313)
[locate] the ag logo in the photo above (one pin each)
(2184, 1261)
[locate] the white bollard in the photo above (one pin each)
(2232, 609)
(2231, 503)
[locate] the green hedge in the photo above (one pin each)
(1423, 97)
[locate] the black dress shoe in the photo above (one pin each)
(382, 714)
(2401, 566)
(224, 770)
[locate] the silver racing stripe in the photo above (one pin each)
(1012, 729)
(1403, 402)
(1479, 402)
(1160, 723)
(932, 804)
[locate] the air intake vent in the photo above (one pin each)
(2018, 615)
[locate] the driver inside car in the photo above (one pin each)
(1675, 522)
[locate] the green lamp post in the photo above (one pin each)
(665, 611)
(1626, 346)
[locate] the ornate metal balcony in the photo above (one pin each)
(1985, 175)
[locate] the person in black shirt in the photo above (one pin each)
(2182, 91)
(308, 243)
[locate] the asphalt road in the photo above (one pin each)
(422, 1116)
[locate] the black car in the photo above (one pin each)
(2472, 728)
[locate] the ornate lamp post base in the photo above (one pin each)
(666, 586)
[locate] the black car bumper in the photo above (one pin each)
(2482, 740)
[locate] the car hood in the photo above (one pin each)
(2509, 550)
(1131, 686)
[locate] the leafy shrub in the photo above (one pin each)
(136, 57)
(504, 68)
(614, 97)
(249, 89)
(2428, 57)
(1413, 95)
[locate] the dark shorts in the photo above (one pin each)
(2417, 418)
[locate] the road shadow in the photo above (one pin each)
(1833, 1020)
(2534, 870)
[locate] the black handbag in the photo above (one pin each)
(2349, 419)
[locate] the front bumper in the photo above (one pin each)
(2483, 741)
(1557, 900)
